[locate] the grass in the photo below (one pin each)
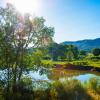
(92, 63)
(70, 90)
(93, 88)
(54, 62)
(60, 90)
(93, 95)
(66, 90)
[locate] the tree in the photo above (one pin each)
(70, 56)
(62, 51)
(17, 33)
(53, 51)
(37, 57)
(72, 52)
(96, 51)
(82, 54)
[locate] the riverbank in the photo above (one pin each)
(78, 67)
(74, 65)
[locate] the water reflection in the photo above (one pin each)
(57, 74)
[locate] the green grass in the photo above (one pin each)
(70, 90)
(92, 63)
(50, 63)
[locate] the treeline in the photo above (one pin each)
(61, 52)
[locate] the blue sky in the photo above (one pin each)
(72, 19)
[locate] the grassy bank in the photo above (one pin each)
(85, 64)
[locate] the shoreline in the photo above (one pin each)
(77, 67)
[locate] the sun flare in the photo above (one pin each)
(26, 6)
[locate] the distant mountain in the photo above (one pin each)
(87, 44)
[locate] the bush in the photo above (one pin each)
(94, 84)
(68, 90)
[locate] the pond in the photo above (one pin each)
(63, 74)
(42, 77)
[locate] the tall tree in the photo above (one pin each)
(17, 33)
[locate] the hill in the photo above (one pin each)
(87, 44)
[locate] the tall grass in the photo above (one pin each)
(59, 90)
(66, 90)
(93, 84)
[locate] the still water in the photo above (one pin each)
(42, 77)
(59, 74)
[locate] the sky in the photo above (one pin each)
(72, 19)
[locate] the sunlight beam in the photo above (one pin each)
(26, 6)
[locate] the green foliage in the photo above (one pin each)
(82, 54)
(62, 52)
(94, 58)
(17, 34)
(37, 57)
(96, 51)
(67, 90)
(59, 90)
(70, 56)
(26, 82)
(74, 50)
(56, 51)
(81, 63)
(47, 63)
(94, 84)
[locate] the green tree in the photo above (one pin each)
(70, 56)
(53, 51)
(57, 51)
(17, 33)
(72, 52)
(82, 54)
(96, 51)
(37, 57)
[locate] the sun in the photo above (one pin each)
(26, 6)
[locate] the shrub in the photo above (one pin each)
(68, 90)
(94, 84)
(63, 90)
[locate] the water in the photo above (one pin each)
(36, 75)
(85, 77)
(41, 80)
(59, 74)
(64, 74)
